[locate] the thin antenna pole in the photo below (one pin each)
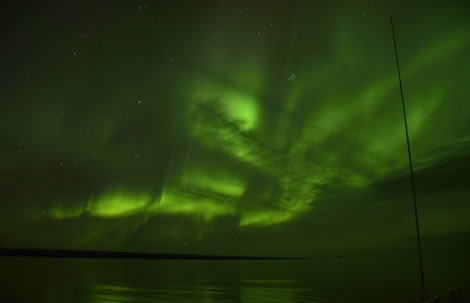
(418, 237)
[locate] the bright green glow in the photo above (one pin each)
(213, 182)
(240, 108)
(226, 120)
(174, 201)
(58, 212)
(264, 217)
(269, 216)
(218, 132)
(110, 204)
(351, 135)
(118, 204)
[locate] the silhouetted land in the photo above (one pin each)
(60, 253)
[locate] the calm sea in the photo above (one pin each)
(285, 281)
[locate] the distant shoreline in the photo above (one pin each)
(96, 254)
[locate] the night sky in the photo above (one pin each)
(234, 127)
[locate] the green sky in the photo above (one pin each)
(234, 127)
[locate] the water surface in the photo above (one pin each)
(112, 280)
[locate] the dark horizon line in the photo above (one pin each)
(99, 254)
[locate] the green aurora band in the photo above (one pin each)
(234, 127)
(282, 147)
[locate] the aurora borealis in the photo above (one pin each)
(233, 127)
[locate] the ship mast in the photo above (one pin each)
(418, 236)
